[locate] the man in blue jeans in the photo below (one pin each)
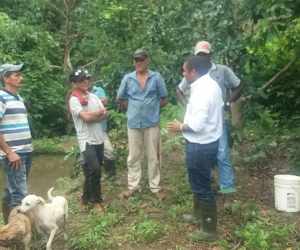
(226, 79)
(15, 138)
(202, 128)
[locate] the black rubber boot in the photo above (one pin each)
(190, 218)
(110, 170)
(209, 221)
(5, 210)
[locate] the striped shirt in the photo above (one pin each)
(14, 124)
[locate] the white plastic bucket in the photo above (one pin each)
(287, 193)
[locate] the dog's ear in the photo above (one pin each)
(40, 201)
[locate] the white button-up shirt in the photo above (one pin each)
(204, 111)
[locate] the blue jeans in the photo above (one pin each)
(199, 161)
(16, 188)
(224, 164)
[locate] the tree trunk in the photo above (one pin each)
(237, 119)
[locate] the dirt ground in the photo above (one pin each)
(254, 184)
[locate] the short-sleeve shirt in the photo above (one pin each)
(143, 104)
(14, 124)
(223, 75)
(87, 132)
(98, 91)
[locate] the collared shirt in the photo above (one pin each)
(14, 123)
(223, 75)
(143, 104)
(98, 91)
(87, 132)
(204, 111)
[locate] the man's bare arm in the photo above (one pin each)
(236, 93)
(13, 158)
(92, 116)
(122, 103)
(102, 117)
(163, 101)
(181, 97)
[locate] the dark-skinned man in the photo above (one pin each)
(202, 128)
(225, 77)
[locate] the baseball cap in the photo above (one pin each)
(87, 73)
(203, 46)
(140, 53)
(77, 75)
(10, 68)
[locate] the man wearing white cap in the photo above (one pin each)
(15, 138)
(225, 77)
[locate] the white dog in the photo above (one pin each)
(47, 215)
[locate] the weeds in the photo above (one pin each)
(96, 233)
(264, 236)
(146, 231)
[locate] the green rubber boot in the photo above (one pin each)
(190, 218)
(208, 231)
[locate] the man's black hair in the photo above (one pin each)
(7, 74)
(200, 64)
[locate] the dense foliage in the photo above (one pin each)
(256, 38)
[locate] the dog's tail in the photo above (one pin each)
(50, 197)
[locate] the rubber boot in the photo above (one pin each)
(190, 218)
(110, 170)
(5, 210)
(208, 231)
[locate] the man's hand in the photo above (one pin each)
(104, 101)
(226, 107)
(174, 127)
(14, 161)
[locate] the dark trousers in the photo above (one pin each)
(199, 161)
(92, 172)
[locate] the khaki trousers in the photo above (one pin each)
(109, 153)
(150, 138)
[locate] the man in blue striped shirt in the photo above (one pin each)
(15, 138)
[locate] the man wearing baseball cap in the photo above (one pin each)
(225, 78)
(109, 154)
(87, 112)
(146, 94)
(15, 138)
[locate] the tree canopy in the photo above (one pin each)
(259, 40)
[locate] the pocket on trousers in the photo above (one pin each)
(5, 166)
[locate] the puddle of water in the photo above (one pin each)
(44, 172)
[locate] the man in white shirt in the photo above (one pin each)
(202, 128)
(226, 79)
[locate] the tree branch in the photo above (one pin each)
(95, 61)
(73, 4)
(60, 11)
(67, 6)
(55, 67)
(281, 72)
(72, 37)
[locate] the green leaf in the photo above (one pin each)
(228, 191)
(235, 206)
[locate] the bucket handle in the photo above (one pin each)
(296, 189)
